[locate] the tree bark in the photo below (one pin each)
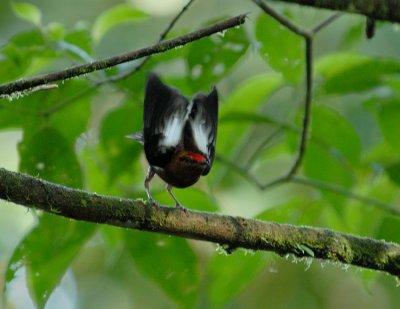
(78, 70)
(231, 232)
(388, 10)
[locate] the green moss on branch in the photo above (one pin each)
(232, 232)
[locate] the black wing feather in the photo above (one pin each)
(212, 108)
(206, 106)
(161, 103)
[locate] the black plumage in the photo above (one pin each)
(179, 135)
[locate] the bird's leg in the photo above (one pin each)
(149, 176)
(177, 205)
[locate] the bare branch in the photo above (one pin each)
(22, 85)
(325, 23)
(307, 110)
(281, 19)
(232, 232)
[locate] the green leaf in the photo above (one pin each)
(251, 92)
(349, 72)
(169, 261)
(56, 31)
(27, 12)
(46, 252)
(135, 84)
(305, 249)
(81, 38)
(299, 210)
(24, 54)
(330, 156)
(242, 116)
(120, 151)
(9, 118)
(213, 57)
(321, 165)
(393, 170)
(353, 34)
(31, 40)
(388, 119)
(247, 98)
(341, 140)
(117, 15)
(44, 152)
(280, 48)
(72, 102)
(230, 274)
(389, 230)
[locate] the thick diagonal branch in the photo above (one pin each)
(233, 232)
(78, 70)
(388, 10)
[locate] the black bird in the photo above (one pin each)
(179, 135)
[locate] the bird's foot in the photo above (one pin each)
(153, 203)
(180, 207)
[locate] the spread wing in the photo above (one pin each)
(204, 124)
(165, 114)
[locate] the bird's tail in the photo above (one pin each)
(137, 136)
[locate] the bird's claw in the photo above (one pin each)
(153, 203)
(180, 207)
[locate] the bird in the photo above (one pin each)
(179, 135)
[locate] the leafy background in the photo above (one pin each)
(75, 136)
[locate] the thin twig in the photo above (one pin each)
(60, 105)
(22, 85)
(267, 120)
(261, 147)
(146, 59)
(325, 23)
(308, 38)
(245, 173)
(67, 101)
(282, 19)
(307, 111)
(345, 192)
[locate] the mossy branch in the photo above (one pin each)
(388, 10)
(231, 232)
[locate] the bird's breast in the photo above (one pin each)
(183, 170)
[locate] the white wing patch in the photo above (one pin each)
(172, 128)
(173, 131)
(200, 132)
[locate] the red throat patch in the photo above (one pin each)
(196, 157)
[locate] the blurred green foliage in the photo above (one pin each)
(75, 136)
